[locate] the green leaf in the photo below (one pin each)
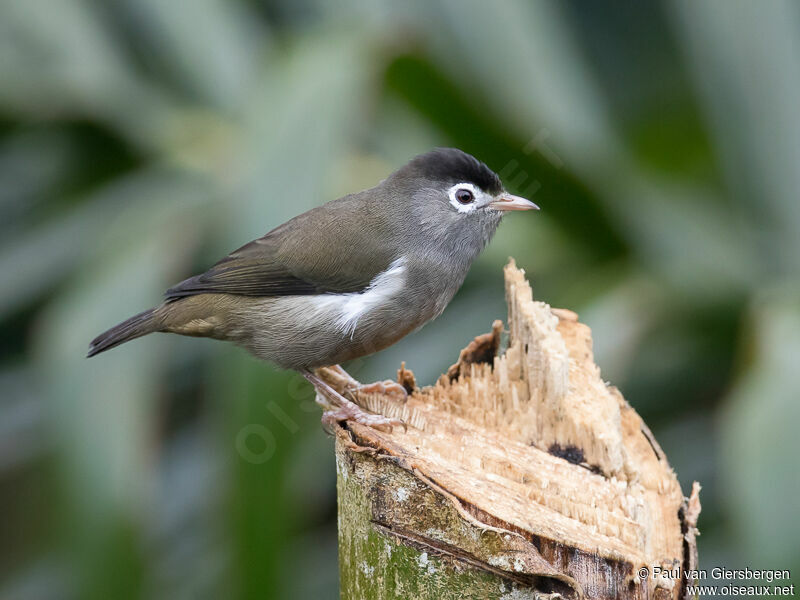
(760, 444)
(744, 61)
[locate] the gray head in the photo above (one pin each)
(457, 200)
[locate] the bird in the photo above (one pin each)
(345, 279)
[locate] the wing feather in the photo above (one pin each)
(319, 251)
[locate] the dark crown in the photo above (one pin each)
(454, 166)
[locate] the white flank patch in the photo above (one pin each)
(352, 306)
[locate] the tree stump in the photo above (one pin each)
(521, 475)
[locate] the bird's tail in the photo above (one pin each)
(137, 326)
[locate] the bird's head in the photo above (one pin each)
(454, 197)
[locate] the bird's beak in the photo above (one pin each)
(508, 202)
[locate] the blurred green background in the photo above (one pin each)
(140, 140)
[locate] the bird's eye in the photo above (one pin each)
(464, 196)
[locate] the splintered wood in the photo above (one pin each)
(534, 442)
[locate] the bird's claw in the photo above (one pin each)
(352, 412)
(337, 408)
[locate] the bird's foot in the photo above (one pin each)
(386, 387)
(337, 408)
(353, 412)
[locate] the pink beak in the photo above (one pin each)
(509, 202)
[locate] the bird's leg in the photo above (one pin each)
(387, 387)
(342, 409)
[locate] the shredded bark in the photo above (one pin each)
(405, 377)
(482, 349)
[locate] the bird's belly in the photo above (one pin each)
(311, 331)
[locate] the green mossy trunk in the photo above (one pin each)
(399, 538)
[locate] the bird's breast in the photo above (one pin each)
(325, 329)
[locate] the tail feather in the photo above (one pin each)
(136, 326)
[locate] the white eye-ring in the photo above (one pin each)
(465, 197)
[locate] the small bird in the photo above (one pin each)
(345, 279)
